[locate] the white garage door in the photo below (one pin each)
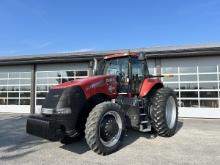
(196, 82)
(15, 87)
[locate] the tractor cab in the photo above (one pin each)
(130, 70)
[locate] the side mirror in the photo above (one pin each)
(141, 56)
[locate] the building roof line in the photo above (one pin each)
(160, 52)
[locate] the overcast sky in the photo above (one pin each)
(50, 26)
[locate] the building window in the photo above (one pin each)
(189, 94)
(189, 103)
(209, 104)
(196, 86)
(174, 86)
(171, 79)
(208, 69)
(207, 77)
(189, 77)
(208, 85)
(15, 88)
(188, 86)
(209, 94)
(46, 79)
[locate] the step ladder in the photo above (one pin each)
(144, 125)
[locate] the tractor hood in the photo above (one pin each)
(104, 84)
(89, 81)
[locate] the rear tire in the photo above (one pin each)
(105, 128)
(164, 112)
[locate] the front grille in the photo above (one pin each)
(52, 98)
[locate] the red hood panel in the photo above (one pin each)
(82, 82)
(105, 84)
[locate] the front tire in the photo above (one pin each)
(105, 128)
(164, 112)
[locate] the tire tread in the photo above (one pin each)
(91, 133)
(158, 112)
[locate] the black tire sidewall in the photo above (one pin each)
(171, 131)
(159, 101)
(113, 148)
(102, 109)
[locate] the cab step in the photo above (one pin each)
(144, 128)
(144, 122)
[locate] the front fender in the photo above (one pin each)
(149, 84)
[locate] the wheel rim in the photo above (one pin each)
(170, 112)
(110, 128)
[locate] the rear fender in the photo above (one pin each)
(148, 85)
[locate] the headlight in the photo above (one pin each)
(63, 111)
(50, 111)
(47, 111)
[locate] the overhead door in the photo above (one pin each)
(196, 83)
(15, 87)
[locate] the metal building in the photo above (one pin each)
(25, 80)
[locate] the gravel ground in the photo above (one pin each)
(196, 142)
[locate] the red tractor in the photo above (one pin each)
(121, 95)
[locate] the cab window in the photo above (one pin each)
(137, 74)
(118, 67)
(137, 68)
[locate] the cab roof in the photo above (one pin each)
(118, 55)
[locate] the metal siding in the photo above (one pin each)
(15, 68)
(62, 66)
(190, 61)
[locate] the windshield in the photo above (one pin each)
(117, 66)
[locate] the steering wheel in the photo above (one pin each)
(121, 76)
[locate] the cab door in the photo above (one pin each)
(119, 68)
(137, 75)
